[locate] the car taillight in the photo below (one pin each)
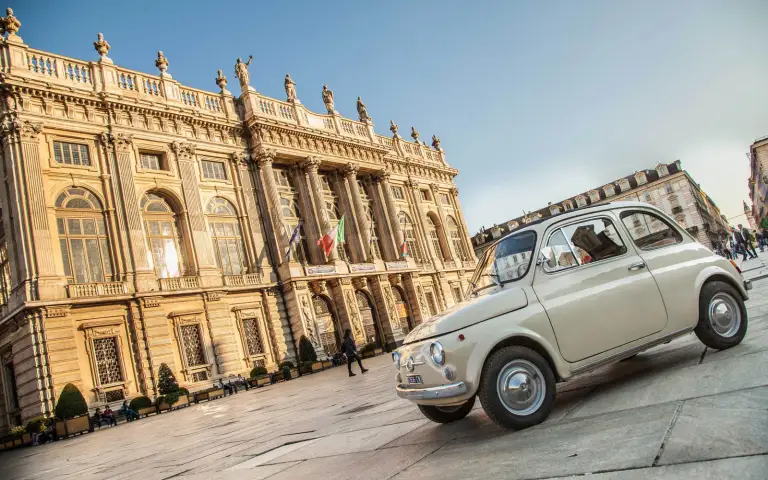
(735, 266)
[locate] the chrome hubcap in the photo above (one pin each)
(521, 387)
(724, 314)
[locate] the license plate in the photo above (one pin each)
(414, 379)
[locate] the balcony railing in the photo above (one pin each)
(179, 283)
(80, 290)
(242, 280)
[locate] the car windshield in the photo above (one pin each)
(505, 261)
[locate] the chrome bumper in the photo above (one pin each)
(443, 391)
(747, 285)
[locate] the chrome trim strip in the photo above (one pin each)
(632, 351)
(431, 393)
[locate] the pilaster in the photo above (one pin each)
(454, 196)
(302, 315)
(442, 232)
(393, 225)
(415, 294)
(280, 325)
(210, 275)
(363, 227)
(387, 312)
(310, 167)
(247, 194)
(276, 234)
(346, 307)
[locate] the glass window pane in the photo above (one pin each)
(100, 226)
(220, 231)
(154, 228)
(166, 229)
(57, 155)
(60, 225)
(73, 224)
(224, 255)
(171, 258)
(67, 155)
(594, 240)
(89, 226)
(75, 155)
(79, 261)
(105, 257)
(94, 260)
(649, 231)
(234, 257)
(229, 229)
(65, 257)
(86, 160)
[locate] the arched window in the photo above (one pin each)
(226, 237)
(454, 232)
(83, 237)
(163, 239)
(434, 236)
(291, 217)
(412, 245)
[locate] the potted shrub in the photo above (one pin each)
(259, 377)
(288, 369)
(71, 412)
(169, 390)
(143, 406)
(368, 350)
(306, 367)
(327, 363)
(307, 355)
(17, 433)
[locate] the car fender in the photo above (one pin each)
(715, 270)
(530, 323)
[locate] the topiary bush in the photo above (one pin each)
(36, 425)
(287, 371)
(139, 403)
(166, 382)
(71, 403)
(183, 391)
(306, 350)
(258, 372)
(284, 364)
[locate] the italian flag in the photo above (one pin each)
(403, 248)
(335, 236)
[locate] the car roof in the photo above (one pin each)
(542, 224)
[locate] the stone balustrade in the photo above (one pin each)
(242, 280)
(80, 290)
(179, 283)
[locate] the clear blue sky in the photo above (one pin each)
(534, 101)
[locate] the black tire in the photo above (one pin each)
(447, 414)
(503, 360)
(629, 358)
(712, 333)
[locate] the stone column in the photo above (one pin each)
(115, 217)
(277, 236)
(302, 315)
(416, 300)
(346, 307)
(209, 272)
(394, 224)
(420, 222)
(363, 226)
(444, 224)
(128, 203)
(239, 172)
(454, 196)
(310, 166)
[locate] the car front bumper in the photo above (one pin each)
(432, 393)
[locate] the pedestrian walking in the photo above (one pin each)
(749, 241)
(349, 349)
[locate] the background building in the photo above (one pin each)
(145, 222)
(667, 186)
(758, 182)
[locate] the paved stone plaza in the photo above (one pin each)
(678, 411)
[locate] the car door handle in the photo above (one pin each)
(636, 266)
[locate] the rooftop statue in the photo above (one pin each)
(241, 72)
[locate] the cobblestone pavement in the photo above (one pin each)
(677, 411)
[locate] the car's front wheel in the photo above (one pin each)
(722, 316)
(517, 389)
(447, 414)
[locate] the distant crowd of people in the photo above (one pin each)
(742, 242)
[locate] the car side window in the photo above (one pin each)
(649, 231)
(581, 243)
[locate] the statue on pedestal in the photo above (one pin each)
(362, 111)
(101, 46)
(393, 127)
(435, 142)
(290, 88)
(328, 99)
(241, 72)
(9, 24)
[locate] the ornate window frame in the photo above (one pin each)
(180, 319)
(93, 152)
(107, 328)
(153, 149)
(254, 310)
(213, 158)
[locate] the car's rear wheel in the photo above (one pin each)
(517, 389)
(447, 414)
(722, 316)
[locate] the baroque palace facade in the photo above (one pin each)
(145, 222)
(667, 186)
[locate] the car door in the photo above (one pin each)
(595, 288)
(673, 258)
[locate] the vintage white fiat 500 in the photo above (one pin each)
(562, 296)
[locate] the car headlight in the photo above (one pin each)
(437, 353)
(396, 359)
